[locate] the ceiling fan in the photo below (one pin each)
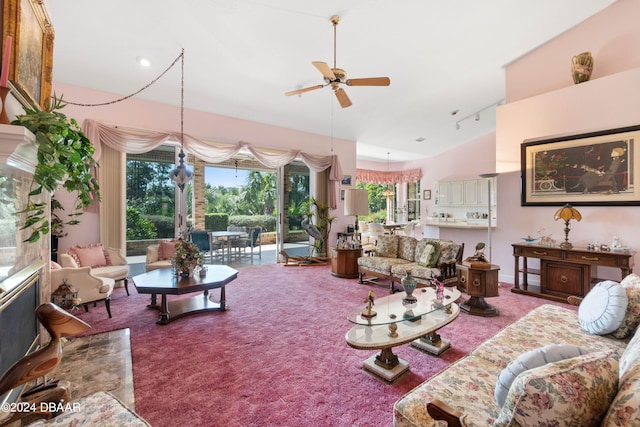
(335, 76)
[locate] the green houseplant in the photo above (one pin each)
(64, 160)
(322, 223)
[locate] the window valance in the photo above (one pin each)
(388, 177)
(136, 141)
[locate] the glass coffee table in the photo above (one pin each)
(398, 322)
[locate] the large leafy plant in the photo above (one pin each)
(323, 221)
(65, 160)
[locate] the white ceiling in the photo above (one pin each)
(242, 55)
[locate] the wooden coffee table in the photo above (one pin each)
(163, 282)
(398, 323)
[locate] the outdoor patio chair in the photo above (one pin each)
(202, 240)
(252, 241)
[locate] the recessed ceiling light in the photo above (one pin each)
(143, 61)
(421, 139)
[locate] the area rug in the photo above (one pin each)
(278, 356)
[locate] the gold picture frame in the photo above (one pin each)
(31, 67)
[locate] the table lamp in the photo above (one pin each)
(356, 202)
(567, 213)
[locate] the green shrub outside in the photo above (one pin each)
(216, 221)
(165, 226)
(139, 227)
(267, 222)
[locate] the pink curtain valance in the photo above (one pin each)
(388, 177)
(137, 141)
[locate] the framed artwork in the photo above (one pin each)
(30, 70)
(426, 195)
(598, 168)
(342, 195)
(346, 180)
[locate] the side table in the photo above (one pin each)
(479, 283)
(344, 262)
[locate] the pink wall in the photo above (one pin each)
(612, 36)
(544, 102)
(155, 116)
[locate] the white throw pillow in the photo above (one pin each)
(533, 359)
(603, 309)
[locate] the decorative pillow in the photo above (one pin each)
(571, 392)
(407, 247)
(631, 285)
(430, 254)
(533, 359)
(603, 309)
(448, 251)
(54, 265)
(89, 256)
(387, 246)
(167, 249)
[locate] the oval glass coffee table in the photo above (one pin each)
(397, 322)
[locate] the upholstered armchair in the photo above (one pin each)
(104, 262)
(90, 288)
(155, 260)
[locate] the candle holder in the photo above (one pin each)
(4, 118)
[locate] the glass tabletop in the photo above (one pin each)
(394, 309)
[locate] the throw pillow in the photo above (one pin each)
(167, 249)
(387, 246)
(603, 309)
(91, 256)
(631, 285)
(532, 359)
(571, 392)
(54, 265)
(429, 256)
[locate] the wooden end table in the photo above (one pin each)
(344, 262)
(480, 283)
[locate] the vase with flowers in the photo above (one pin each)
(186, 258)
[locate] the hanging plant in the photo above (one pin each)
(65, 160)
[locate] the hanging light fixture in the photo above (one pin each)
(180, 174)
(388, 193)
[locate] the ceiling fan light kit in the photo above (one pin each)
(335, 76)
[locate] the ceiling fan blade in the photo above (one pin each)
(303, 90)
(343, 99)
(369, 81)
(325, 70)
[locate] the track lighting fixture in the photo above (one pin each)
(476, 115)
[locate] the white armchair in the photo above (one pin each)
(115, 268)
(90, 288)
(153, 261)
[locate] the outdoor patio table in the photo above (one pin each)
(228, 235)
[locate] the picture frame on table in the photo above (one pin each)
(426, 195)
(590, 169)
(30, 70)
(346, 180)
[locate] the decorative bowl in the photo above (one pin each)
(529, 239)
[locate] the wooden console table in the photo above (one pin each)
(564, 272)
(344, 262)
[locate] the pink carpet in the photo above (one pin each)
(278, 356)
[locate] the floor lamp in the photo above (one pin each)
(489, 177)
(356, 202)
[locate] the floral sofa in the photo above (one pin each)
(426, 258)
(598, 385)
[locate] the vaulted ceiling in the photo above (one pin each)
(241, 56)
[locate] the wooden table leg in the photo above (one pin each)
(164, 311)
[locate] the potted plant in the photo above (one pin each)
(322, 223)
(65, 160)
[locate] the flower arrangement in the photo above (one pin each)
(187, 257)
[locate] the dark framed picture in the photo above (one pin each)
(30, 70)
(342, 195)
(346, 180)
(598, 168)
(426, 195)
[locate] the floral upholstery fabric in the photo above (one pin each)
(96, 410)
(382, 265)
(631, 285)
(387, 246)
(468, 384)
(571, 392)
(624, 410)
(407, 248)
(417, 271)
